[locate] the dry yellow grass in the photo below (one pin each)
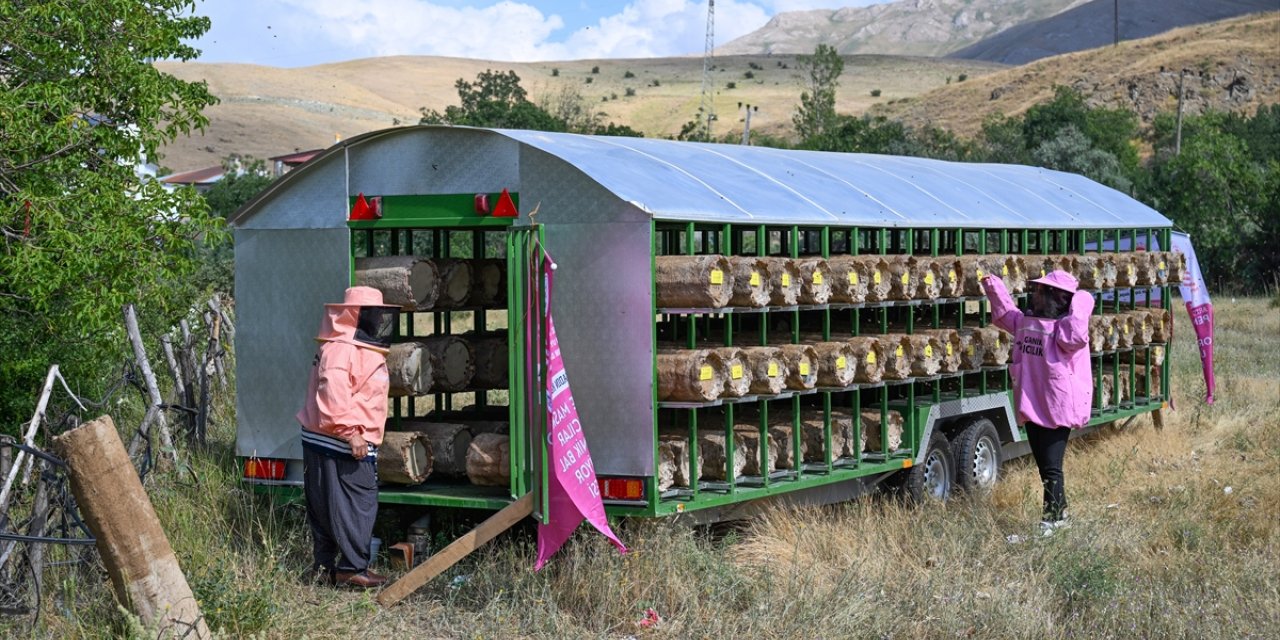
(1139, 75)
(268, 111)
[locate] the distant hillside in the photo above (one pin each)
(905, 27)
(1232, 65)
(1093, 25)
(267, 111)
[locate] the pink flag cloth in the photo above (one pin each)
(573, 494)
(1196, 296)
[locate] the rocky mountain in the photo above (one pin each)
(1094, 24)
(904, 27)
(1231, 65)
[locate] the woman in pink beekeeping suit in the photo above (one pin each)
(342, 425)
(1052, 379)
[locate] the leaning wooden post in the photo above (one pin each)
(143, 568)
(457, 550)
(28, 438)
(148, 376)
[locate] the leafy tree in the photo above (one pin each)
(83, 232)
(495, 99)
(1001, 140)
(1214, 191)
(816, 116)
(1112, 130)
(1071, 151)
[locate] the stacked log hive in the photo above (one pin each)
(693, 282)
(1142, 328)
(835, 364)
(1096, 271)
(850, 278)
(876, 271)
(1100, 331)
(784, 281)
(931, 277)
(949, 358)
(750, 439)
(868, 359)
(972, 352)
(737, 381)
(767, 368)
(673, 461)
(457, 279)
(893, 350)
(904, 277)
(490, 286)
(952, 282)
(404, 457)
(751, 286)
(872, 422)
(447, 442)
(1140, 379)
(972, 270)
(922, 352)
(712, 455)
(1126, 270)
(690, 375)
(1157, 354)
(430, 364)
(412, 282)
(1124, 330)
(802, 366)
(491, 359)
(488, 460)
(815, 281)
(993, 343)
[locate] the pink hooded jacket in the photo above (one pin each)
(347, 391)
(1053, 382)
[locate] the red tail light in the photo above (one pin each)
(264, 469)
(621, 488)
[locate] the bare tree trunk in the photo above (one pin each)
(28, 438)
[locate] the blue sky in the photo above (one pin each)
(294, 33)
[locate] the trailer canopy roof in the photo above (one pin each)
(721, 183)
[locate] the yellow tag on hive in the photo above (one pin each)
(717, 276)
(970, 350)
(1161, 267)
(786, 279)
(755, 279)
(1111, 330)
(853, 277)
(1004, 271)
(928, 351)
(1042, 273)
(997, 344)
(840, 362)
(871, 357)
(1131, 272)
(1095, 271)
(817, 277)
(804, 368)
(704, 373)
(979, 274)
(876, 276)
(773, 369)
(951, 275)
(928, 278)
(906, 278)
(950, 351)
(899, 352)
(735, 371)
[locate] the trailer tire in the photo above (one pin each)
(977, 450)
(933, 478)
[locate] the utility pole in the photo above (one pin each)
(1177, 137)
(1116, 36)
(746, 126)
(707, 108)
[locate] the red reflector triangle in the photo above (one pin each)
(506, 206)
(361, 209)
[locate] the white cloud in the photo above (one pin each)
(291, 32)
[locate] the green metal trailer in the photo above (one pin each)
(606, 209)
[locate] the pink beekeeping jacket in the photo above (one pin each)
(347, 390)
(1053, 382)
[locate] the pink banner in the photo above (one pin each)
(1196, 296)
(573, 494)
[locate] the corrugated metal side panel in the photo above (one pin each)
(283, 280)
(601, 303)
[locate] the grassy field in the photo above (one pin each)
(1176, 534)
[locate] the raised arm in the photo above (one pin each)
(1004, 313)
(1072, 332)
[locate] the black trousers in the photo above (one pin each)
(1049, 446)
(342, 503)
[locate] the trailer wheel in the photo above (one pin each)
(977, 450)
(933, 478)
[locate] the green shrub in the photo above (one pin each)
(875, 93)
